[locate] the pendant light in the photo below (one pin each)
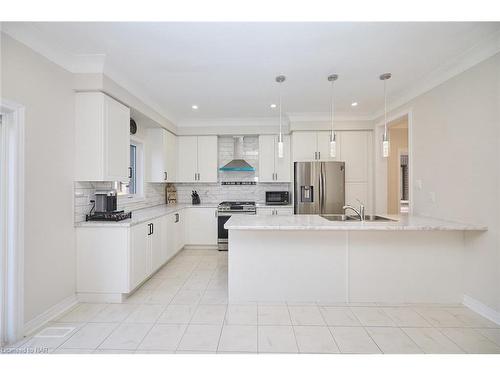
(333, 136)
(280, 79)
(385, 139)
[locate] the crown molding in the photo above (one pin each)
(233, 122)
(325, 117)
(482, 51)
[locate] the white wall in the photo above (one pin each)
(45, 90)
(455, 138)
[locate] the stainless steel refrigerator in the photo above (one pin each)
(319, 187)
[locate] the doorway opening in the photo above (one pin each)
(398, 168)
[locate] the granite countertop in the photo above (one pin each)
(316, 222)
(145, 214)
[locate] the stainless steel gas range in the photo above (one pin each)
(224, 211)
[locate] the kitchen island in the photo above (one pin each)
(308, 259)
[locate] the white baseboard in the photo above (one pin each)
(50, 314)
(100, 297)
(482, 309)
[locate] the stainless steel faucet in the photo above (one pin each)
(360, 212)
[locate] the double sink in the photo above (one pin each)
(369, 218)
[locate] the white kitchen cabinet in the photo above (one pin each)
(197, 159)
(313, 145)
(140, 254)
(207, 159)
(180, 230)
(201, 224)
(162, 155)
(159, 242)
(354, 153)
(272, 211)
(102, 138)
(271, 167)
(356, 192)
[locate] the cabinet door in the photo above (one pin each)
(116, 140)
(324, 145)
(207, 158)
(304, 146)
(180, 235)
(158, 253)
(355, 154)
(187, 165)
(283, 165)
(171, 156)
(267, 158)
(355, 191)
(157, 155)
(264, 211)
(284, 211)
(171, 236)
(201, 226)
(139, 257)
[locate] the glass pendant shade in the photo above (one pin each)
(333, 146)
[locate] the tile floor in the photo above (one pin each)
(183, 308)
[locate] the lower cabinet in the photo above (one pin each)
(202, 224)
(113, 261)
(271, 211)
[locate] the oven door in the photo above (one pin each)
(222, 234)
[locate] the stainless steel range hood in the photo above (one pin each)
(238, 164)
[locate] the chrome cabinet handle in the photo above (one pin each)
(165, 176)
(319, 154)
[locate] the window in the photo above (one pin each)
(134, 187)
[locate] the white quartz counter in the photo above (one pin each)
(316, 222)
(143, 215)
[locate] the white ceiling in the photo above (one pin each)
(228, 69)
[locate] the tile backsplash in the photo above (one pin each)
(154, 193)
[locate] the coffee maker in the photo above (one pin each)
(104, 208)
(105, 200)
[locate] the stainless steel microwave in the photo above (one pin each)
(277, 198)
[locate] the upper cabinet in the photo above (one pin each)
(197, 158)
(102, 138)
(271, 167)
(313, 145)
(162, 151)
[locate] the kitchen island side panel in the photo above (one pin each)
(295, 266)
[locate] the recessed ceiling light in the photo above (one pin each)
(195, 107)
(354, 104)
(273, 106)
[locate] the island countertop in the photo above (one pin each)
(316, 222)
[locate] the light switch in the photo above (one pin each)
(419, 184)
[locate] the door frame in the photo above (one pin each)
(380, 163)
(12, 220)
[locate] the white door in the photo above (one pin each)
(207, 158)
(139, 257)
(171, 156)
(157, 155)
(282, 165)
(267, 158)
(187, 166)
(117, 140)
(304, 146)
(324, 145)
